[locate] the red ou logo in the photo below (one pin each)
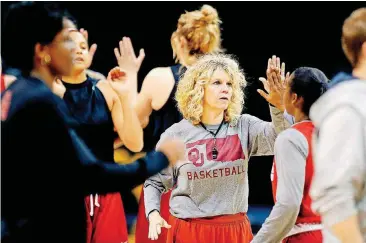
(195, 157)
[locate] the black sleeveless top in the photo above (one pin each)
(89, 108)
(164, 118)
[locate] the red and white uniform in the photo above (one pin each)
(292, 217)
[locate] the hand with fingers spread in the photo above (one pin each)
(156, 222)
(274, 85)
(126, 57)
(92, 49)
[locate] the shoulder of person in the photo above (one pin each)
(289, 134)
(180, 129)
(293, 137)
(345, 94)
(159, 75)
(159, 71)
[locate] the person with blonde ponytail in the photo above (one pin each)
(198, 33)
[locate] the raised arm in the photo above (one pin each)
(125, 120)
(129, 63)
(262, 134)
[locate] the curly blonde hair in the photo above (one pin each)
(190, 90)
(201, 29)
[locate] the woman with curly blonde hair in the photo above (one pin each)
(209, 197)
(198, 32)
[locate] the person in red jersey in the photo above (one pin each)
(292, 219)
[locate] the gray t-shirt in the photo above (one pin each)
(339, 184)
(203, 186)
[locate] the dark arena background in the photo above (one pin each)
(300, 33)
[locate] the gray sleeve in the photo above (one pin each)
(338, 160)
(291, 150)
(154, 187)
(158, 184)
(262, 134)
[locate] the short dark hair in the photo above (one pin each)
(25, 25)
(309, 83)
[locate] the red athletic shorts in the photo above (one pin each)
(142, 225)
(219, 229)
(308, 237)
(108, 223)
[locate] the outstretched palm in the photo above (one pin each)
(274, 85)
(126, 57)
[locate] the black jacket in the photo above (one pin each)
(47, 170)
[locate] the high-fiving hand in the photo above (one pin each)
(275, 83)
(126, 57)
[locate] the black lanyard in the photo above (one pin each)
(215, 152)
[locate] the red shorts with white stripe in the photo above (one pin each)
(106, 220)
